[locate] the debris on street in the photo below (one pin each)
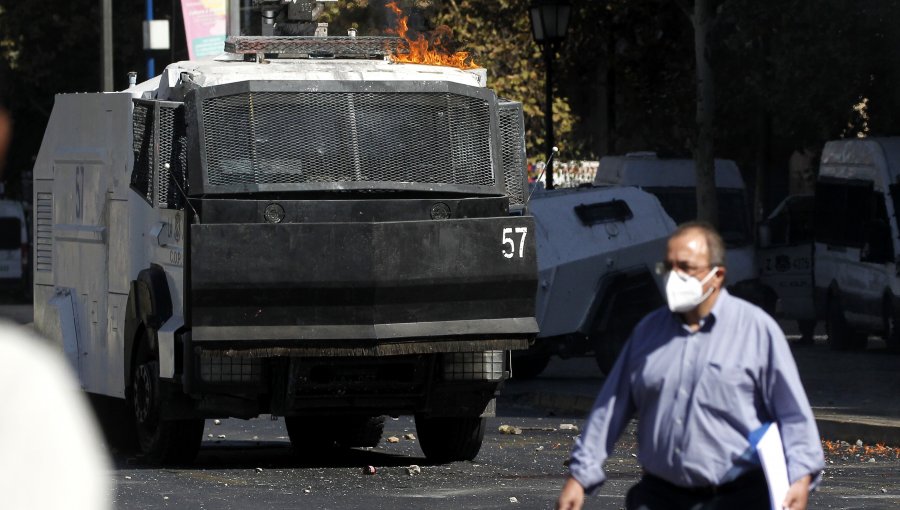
(369, 470)
(568, 426)
(413, 470)
(513, 500)
(409, 437)
(393, 439)
(217, 422)
(510, 429)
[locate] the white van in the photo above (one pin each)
(857, 243)
(14, 253)
(674, 183)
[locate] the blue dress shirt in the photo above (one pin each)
(697, 396)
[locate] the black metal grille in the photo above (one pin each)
(172, 156)
(216, 368)
(160, 152)
(333, 137)
(43, 235)
(512, 145)
(142, 174)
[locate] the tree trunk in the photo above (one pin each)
(704, 151)
(764, 130)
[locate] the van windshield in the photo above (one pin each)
(681, 204)
(10, 234)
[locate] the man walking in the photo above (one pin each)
(700, 376)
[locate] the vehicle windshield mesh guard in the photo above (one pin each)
(281, 140)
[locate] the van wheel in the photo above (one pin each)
(449, 439)
(892, 326)
(529, 364)
(161, 441)
(840, 336)
(626, 304)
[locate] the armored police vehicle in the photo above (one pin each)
(597, 251)
(300, 227)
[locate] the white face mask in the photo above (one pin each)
(684, 292)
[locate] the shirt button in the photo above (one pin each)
(678, 451)
(678, 421)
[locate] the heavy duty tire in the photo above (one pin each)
(529, 364)
(449, 439)
(840, 336)
(361, 431)
(161, 441)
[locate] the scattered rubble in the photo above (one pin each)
(369, 470)
(413, 470)
(409, 437)
(393, 439)
(513, 500)
(568, 426)
(217, 422)
(510, 429)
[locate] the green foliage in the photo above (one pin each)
(794, 65)
(52, 47)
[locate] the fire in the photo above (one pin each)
(423, 51)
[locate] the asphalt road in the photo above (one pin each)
(250, 464)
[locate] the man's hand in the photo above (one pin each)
(571, 497)
(798, 494)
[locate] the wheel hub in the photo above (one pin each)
(143, 393)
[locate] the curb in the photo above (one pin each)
(849, 428)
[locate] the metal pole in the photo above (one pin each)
(233, 24)
(548, 114)
(151, 61)
(106, 51)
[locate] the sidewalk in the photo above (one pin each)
(854, 395)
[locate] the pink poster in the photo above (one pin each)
(204, 26)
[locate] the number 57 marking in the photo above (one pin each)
(509, 244)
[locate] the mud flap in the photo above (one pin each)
(165, 339)
(65, 316)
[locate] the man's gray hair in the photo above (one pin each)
(714, 242)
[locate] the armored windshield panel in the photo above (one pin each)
(285, 136)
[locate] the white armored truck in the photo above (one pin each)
(300, 227)
(597, 252)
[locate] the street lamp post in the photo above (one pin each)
(549, 22)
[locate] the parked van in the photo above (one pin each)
(786, 239)
(857, 241)
(14, 254)
(674, 183)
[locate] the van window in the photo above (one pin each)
(842, 208)
(734, 225)
(794, 225)
(10, 234)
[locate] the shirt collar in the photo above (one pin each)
(710, 319)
